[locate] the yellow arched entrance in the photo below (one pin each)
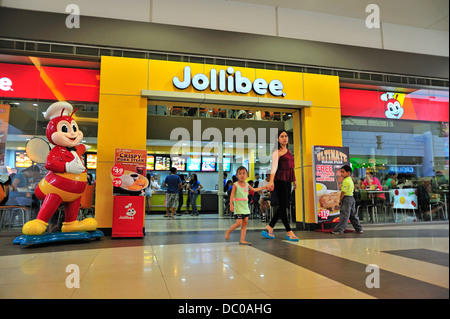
(126, 84)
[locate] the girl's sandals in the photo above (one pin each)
(266, 234)
(292, 237)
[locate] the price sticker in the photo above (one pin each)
(117, 182)
(324, 213)
(117, 170)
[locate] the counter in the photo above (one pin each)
(206, 202)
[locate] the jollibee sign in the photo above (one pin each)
(211, 79)
(228, 80)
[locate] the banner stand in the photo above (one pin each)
(129, 183)
(327, 162)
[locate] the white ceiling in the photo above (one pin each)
(424, 14)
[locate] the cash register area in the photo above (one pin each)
(188, 258)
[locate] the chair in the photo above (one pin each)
(87, 199)
(366, 202)
(436, 205)
(7, 215)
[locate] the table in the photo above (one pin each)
(375, 192)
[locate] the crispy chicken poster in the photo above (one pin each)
(327, 162)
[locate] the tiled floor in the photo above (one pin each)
(187, 258)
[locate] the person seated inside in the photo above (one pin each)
(371, 182)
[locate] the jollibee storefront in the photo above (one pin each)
(128, 86)
(321, 111)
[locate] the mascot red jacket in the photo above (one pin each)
(66, 179)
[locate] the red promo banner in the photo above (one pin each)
(49, 83)
(416, 106)
(128, 216)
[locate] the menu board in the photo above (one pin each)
(150, 163)
(226, 164)
(193, 163)
(179, 162)
(327, 163)
(91, 161)
(22, 160)
(208, 164)
(162, 163)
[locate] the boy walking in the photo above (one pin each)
(347, 204)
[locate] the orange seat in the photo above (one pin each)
(87, 198)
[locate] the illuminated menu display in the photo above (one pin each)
(150, 162)
(179, 162)
(22, 160)
(208, 164)
(91, 161)
(194, 163)
(162, 163)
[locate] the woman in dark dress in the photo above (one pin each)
(280, 183)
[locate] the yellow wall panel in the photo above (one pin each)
(308, 193)
(103, 195)
(296, 117)
(292, 83)
(123, 75)
(322, 90)
(122, 123)
(321, 126)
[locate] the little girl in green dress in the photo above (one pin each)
(239, 204)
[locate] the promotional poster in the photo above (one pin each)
(327, 162)
(129, 172)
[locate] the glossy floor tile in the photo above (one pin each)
(189, 259)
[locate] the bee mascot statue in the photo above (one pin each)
(66, 179)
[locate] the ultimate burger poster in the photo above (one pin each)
(327, 163)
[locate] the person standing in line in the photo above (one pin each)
(181, 193)
(282, 177)
(188, 198)
(172, 182)
(194, 188)
(239, 204)
(347, 204)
